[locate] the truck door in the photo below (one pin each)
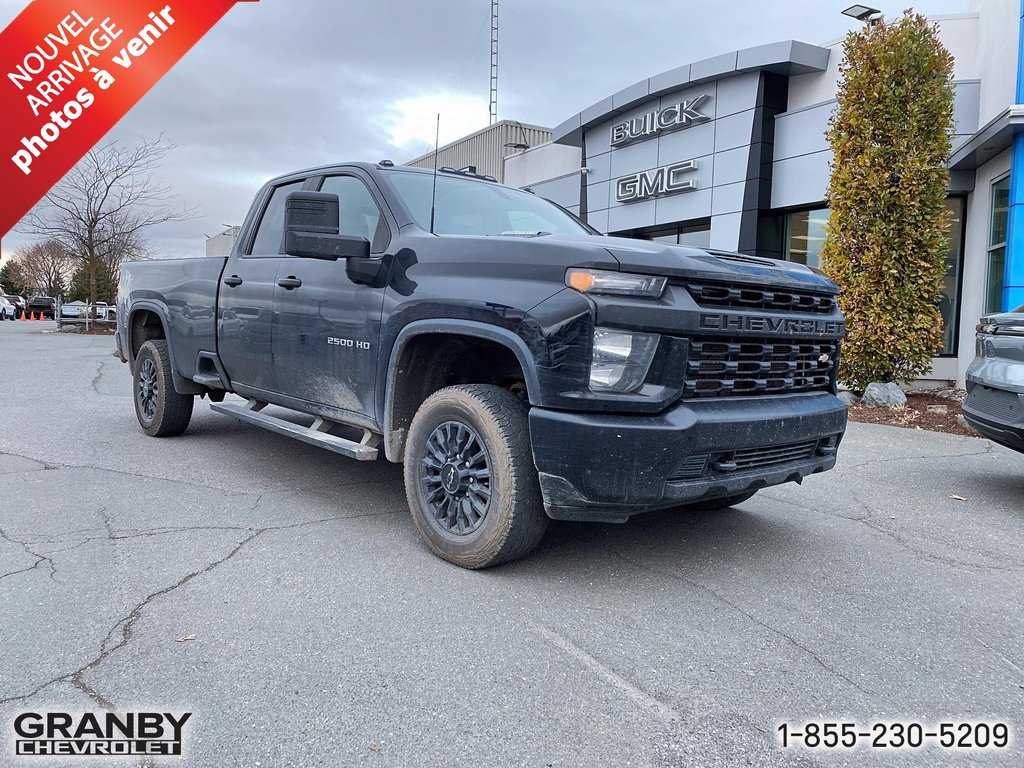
(246, 307)
(328, 313)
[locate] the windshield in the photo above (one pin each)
(466, 207)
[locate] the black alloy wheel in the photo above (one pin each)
(149, 388)
(456, 475)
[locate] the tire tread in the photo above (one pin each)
(527, 523)
(174, 411)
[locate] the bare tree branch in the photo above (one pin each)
(100, 210)
(43, 267)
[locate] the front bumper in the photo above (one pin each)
(996, 413)
(606, 467)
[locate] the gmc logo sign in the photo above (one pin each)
(666, 180)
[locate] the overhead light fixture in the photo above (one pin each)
(862, 12)
(518, 146)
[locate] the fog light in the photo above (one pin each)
(621, 360)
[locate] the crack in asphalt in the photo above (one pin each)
(736, 607)
(871, 520)
(27, 546)
(989, 448)
(97, 377)
(873, 514)
(123, 630)
(126, 626)
(205, 486)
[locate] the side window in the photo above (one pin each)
(359, 214)
(270, 232)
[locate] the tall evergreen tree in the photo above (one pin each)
(887, 234)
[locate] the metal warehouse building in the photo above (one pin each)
(486, 149)
(730, 152)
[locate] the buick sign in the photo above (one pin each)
(681, 115)
(660, 181)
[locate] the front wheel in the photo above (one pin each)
(470, 479)
(161, 411)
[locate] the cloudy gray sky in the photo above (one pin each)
(285, 84)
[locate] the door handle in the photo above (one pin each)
(289, 283)
(234, 281)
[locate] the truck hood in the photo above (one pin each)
(652, 258)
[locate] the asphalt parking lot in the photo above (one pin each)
(323, 633)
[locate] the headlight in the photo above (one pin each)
(614, 283)
(621, 360)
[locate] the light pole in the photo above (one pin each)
(863, 13)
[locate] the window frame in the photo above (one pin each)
(991, 247)
(787, 216)
(958, 304)
(245, 249)
(316, 183)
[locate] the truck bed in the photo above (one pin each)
(184, 293)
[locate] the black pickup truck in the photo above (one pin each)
(521, 365)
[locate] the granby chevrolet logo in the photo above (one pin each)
(681, 115)
(133, 733)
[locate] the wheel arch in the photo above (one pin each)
(404, 394)
(148, 320)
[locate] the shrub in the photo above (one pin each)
(887, 234)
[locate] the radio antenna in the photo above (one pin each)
(433, 191)
(493, 107)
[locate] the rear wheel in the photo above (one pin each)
(161, 411)
(470, 478)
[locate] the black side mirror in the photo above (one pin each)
(311, 229)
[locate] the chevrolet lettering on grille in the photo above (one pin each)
(781, 325)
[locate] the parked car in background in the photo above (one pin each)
(995, 380)
(7, 311)
(72, 310)
(20, 305)
(47, 305)
(80, 312)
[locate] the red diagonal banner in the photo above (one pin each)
(70, 70)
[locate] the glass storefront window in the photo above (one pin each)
(997, 244)
(805, 235)
(694, 235)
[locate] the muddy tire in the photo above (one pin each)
(161, 411)
(470, 478)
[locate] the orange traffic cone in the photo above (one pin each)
(23, 315)
(31, 315)
(42, 316)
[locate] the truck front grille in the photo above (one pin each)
(998, 403)
(777, 299)
(733, 368)
(721, 463)
(751, 458)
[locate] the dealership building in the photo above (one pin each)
(730, 152)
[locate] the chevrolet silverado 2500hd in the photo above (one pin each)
(522, 366)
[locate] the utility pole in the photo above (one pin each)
(494, 63)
